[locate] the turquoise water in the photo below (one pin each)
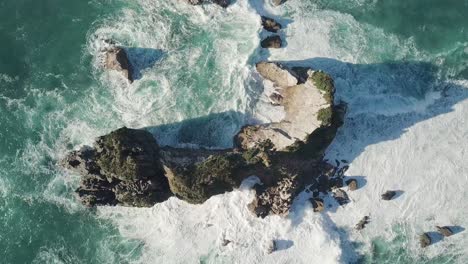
(53, 98)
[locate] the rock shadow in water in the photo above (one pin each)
(142, 59)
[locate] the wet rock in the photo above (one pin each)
(278, 2)
(388, 195)
(352, 184)
(317, 204)
(341, 196)
(362, 224)
(425, 240)
(225, 242)
(444, 230)
(116, 59)
(276, 199)
(270, 24)
(222, 3)
(335, 182)
(276, 99)
(271, 42)
(271, 247)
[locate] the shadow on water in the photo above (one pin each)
(142, 59)
(212, 131)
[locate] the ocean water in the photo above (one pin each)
(400, 65)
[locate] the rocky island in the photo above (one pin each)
(127, 167)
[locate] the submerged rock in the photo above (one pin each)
(362, 224)
(425, 240)
(444, 230)
(116, 59)
(271, 42)
(270, 24)
(388, 195)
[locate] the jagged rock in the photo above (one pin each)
(362, 224)
(270, 24)
(276, 99)
(342, 170)
(195, 2)
(388, 195)
(122, 168)
(341, 196)
(276, 199)
(425, 240)
(116, 59)
(271, 42)
(317, 204)
(352, 184)
(444, 230)
(335, 182)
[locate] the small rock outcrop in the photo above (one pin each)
(278, 2)
(122, 167)
(269, 24)
(388, 195)
(276, 199)
(352, 184)
(362, 224)
(222, 3)
(444, 230)
(116, 59)
(340, 196)
(271, 42)
(317, 205)
(425, 240)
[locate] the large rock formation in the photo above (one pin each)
(122, 167)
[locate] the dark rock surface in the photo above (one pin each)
(270, 24)
(222, 3)
(388, 195)
(122, 168)
(271, 42)
(317, 204)
(362, 224)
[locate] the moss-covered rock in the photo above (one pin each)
(325, 116)
(219, 173)
(324, 82)
(128, 155)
